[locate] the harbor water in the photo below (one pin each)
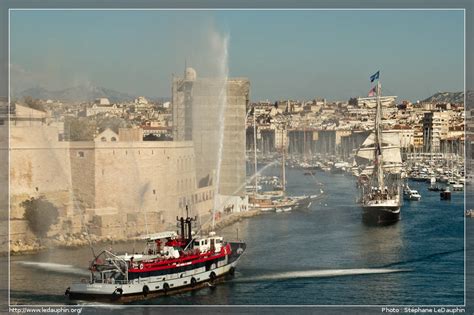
(323, 255)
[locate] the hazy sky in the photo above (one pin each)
(285, 54)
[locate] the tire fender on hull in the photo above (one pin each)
(146, 290)
(212, 276)
(166, 287)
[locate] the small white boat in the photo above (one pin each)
(411, 194)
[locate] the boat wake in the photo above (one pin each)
(322, 274)
(59, 268)
(429, 257)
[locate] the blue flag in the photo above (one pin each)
(374, 76)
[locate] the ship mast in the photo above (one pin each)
(283, 162)
(378, 140)
(255, 149)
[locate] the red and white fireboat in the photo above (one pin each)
(169, 263)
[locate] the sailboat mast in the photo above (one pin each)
(255, 149)
(283, 175)
(378, 139)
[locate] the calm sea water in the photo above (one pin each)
(323, 255)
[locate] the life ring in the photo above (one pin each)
(146, 290)
(141, 266)
(193, 281)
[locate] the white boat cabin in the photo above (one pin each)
(210, 243)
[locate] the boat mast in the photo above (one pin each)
(304, 142)
(283, 175)
(378, 140)
(255, 149)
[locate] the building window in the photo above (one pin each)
(80, 154)
(113, 139)
(103, 139)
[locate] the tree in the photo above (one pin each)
(353, 101)
(33, 103)
(40, 214)
(79, 129)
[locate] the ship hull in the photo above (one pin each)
(145, 288)
(381, 215)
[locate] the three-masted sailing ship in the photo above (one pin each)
(379, 180)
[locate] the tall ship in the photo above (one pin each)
(170, 262)
(380, 177)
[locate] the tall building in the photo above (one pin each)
(435, 128)
(200, 107)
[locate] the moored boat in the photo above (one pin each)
(446, 194)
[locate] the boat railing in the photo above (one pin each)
(106, 281)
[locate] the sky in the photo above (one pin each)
(286, 54)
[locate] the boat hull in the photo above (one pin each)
(380, 215)
(152, 287)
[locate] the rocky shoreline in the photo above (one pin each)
(83, 239)
(68, 241)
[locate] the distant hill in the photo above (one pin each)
(80, 93)
(447, 97)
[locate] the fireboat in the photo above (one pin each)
(170, 263)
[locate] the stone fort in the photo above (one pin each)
(123, 187)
